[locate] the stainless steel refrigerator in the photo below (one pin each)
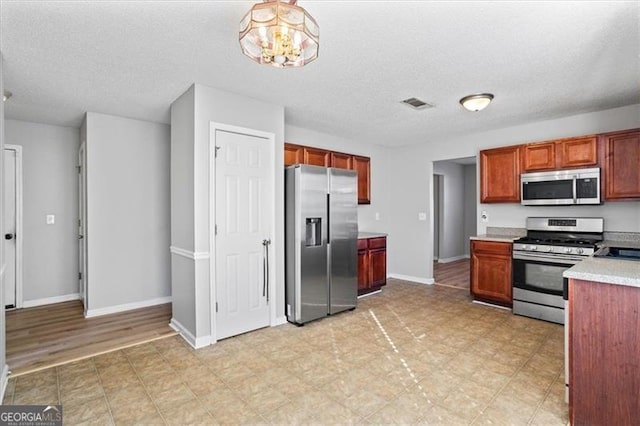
(321, 241)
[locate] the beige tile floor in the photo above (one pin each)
(412, 354)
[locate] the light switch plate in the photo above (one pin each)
(51, 219)
(377, 216)
(422, 216)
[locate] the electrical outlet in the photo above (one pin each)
(377, 215)
(484, 216)
(422, 216)
(51, 219)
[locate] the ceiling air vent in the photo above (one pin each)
(417, 103)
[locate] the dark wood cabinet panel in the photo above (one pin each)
(621, 165)
(316, 156)
(363, 272)
(500, 175)
(539, 156)
(491, 271)
(362, 165)
(293, 154)
(341, 161)
(577, 152)
(372, 264)
(378, 267)
(604, 343)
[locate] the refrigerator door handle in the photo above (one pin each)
(328, 218)
(265, 269)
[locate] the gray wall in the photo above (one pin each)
(50, 186)
(412, 169)
(470, 197)
(127, 211)
(452, 218)
(192, 275)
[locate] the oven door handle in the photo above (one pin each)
(551, 259)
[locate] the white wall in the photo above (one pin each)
(128, 212)
(50, 186)
(412, 169)
(452, 213)
(379, 170)
(470, 197)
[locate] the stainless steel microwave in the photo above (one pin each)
(560, 187)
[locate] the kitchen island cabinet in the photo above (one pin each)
(372, 263)
(604, 348)
(491, 271)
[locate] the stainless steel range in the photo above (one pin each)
(551, 246)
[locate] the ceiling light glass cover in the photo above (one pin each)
(476, 102)
(279, 33)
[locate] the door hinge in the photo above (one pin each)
(217, 149)
(79, 223)
(215, 229)
(79, 169)
(79, 275)
(216, 306)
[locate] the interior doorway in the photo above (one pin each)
(454, 219)
(12, 216)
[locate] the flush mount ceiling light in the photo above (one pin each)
(6, 95)
(476, 102)
(279, 33)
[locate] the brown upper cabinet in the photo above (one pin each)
(341, 161)
(560, 154)
(621, 165)
(298, 154)
(362, 165)
(293, 154)
(500, 175)
(317, 157)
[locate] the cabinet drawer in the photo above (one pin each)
(362, 244)
(493, 247)
(375, 243)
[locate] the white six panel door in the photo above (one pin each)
(243, 182)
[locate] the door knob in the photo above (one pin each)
(80, 237)
(8, 236)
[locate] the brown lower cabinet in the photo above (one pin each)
(604, 353)
(491, 271)
(372, 264)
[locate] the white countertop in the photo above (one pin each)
(364, 235)
(609, 271)
(496, 237)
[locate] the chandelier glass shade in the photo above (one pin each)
(280, 34)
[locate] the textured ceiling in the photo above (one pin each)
(542, 60)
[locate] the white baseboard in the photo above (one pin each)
(4, 381)
(479, 302)
(50, 300)
(126, 307)
(453, 259)
(370, 294)
(419, 280)
(279, 321)
(195, 342)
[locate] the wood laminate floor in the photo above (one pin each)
(55, 334)
(453, 274)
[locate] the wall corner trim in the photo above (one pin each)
(4, 381)
(50, 300)
(194, 342)
(193, 255)
(418, 280)
(126, 307)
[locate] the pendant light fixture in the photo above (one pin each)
(476, 102)
(279, 33)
